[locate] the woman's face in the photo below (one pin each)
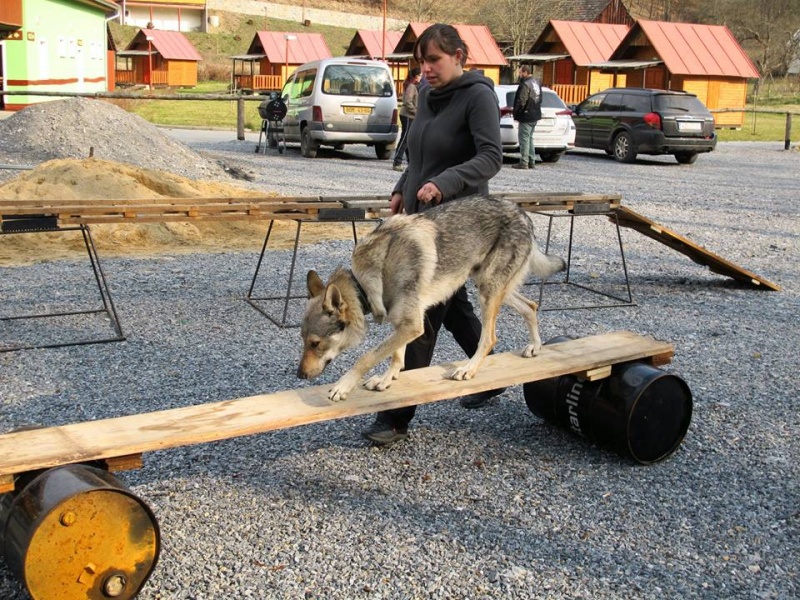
(438, 67)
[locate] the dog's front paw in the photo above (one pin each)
(531, 350)
(379, 383)
(378, 313)
(336, 394)
(462, 374)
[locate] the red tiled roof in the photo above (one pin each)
(691, 49)
(587, 43)
(305, 48)
(482, 47)
(367, 42)
(171, 45)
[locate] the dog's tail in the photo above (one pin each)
(543, 265)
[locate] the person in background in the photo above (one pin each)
(408, 110)
(527, 111)
(454, 150)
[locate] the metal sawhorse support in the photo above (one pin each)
(287, 297)
(48, 224)
(579, 211)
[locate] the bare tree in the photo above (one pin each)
(513, 21)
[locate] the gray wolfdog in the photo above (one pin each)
(411, 262)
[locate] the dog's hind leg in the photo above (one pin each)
(382, 382)
(529, 311)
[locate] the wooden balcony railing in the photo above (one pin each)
(128, 77)
(258, 82)
(570, 94)
(124, 77)
(159, 77)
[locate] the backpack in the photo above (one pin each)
(531, 109)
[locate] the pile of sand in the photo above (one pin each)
(102, 179)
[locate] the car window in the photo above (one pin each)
(635, 103)
(679, 103)
(307, 85)
(612, 103)
(301, 84)
(592, 103)
(357, 80)
(552, 100)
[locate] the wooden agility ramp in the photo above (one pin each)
(628, 218)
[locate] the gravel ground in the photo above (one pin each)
(493, 503)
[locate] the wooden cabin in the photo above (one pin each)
(158, 59)
(705, 60)
(272, 57)
(565, 51)
(484, 53)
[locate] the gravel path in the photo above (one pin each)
(492, 503)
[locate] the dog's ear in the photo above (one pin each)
(315, 285)
(333, 301)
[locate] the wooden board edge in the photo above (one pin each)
(595, 374)
(6, 484)
(129, 462)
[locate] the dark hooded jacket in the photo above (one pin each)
(454, 141)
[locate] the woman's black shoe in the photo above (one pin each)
(480, 399)
(383, 434)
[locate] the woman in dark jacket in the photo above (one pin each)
(454, 150)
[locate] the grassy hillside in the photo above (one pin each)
(233, 37)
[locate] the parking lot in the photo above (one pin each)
(493, 503)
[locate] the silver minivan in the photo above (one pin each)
(338, 101)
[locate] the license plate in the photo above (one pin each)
(546, 122)
(690, 126)
(357, 110)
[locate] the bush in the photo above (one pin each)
(214, 71)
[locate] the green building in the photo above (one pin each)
(54, 46)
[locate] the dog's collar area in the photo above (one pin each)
(362, 295)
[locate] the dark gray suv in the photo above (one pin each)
(629, 121)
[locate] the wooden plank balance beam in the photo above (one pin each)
(70, 530)
(110, 439)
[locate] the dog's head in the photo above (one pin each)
(330, 326)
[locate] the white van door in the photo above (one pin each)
(297, 94)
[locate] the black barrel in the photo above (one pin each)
(639, 411)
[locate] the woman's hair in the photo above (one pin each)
(445, 37)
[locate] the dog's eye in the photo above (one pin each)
(340, 325)
(314, 344)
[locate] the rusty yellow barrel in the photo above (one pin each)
(75, 532)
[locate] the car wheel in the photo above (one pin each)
(623, 148)
(551, 157)
(686, 158)
(308, 147)
(382, 151)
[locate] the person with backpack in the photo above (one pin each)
(527, 111)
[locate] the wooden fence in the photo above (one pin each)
(242, 98)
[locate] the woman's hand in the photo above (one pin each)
(429, 193)
(396, 203)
